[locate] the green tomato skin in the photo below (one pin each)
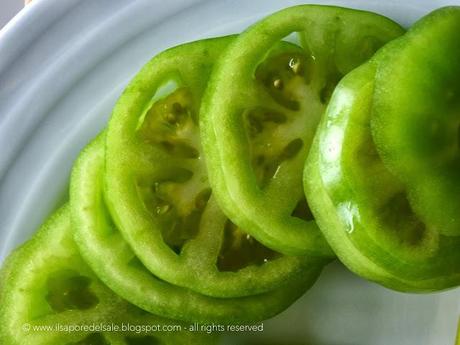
(46, 283)
(360, 206)
(266, 213)
(417, 116)
(101, 243)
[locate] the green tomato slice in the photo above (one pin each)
(363, 209)
(259, 116)
(158, 191)
(110, 256)
(416, 121)
(47, 290)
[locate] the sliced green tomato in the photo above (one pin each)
(157, 186)
(47, 291)
(260, 113)
(457, 342)
(362, 209)
(416, 121)
(110, 256)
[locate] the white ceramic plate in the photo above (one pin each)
(63, 65)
